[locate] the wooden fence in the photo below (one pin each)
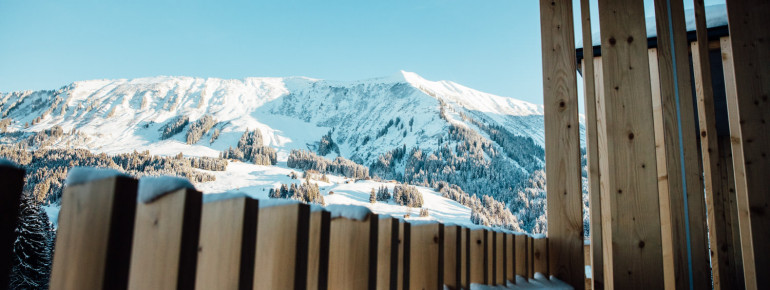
(108, 240)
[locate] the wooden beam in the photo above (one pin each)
(478, 269)
(723, 262)
(426, 270)
(403, 265)
(387, 253)
(353, 253)
(465, 268)
(531, 258)
(601, 136)
(630, 203)
(592, 147)
(540, 255)
(688, 212)
(510, 261)
(489, 256)
(318, 250)
(96, 228)
(165, 246)
(11, 185)
(562, 142)
(499, 256)
(282, 247)
(747, 81)
(522, 256)
(228, 236)
(452, 256)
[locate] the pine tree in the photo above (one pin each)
(32, 249)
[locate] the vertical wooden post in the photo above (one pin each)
(630, 203)
(465, 249)
(226, 249)
(562, 141)
(426, 256)
(748, 103)
(531, 258)
(282, 246)
(499, 258)
(318, 250)
(522, 256)
(540, 254)
(96, 228)
(723, 261)
(478, 268)
(165, 246)
(452, 259)
(489, 256)
(11, 185)
(510, 262)
(387, 253)
(403, 265)
(353, 253)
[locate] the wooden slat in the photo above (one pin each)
(531, 258)
(522, 255)
(282, 247)
(403, 266)
(465, 248)
(228, 236)
(499, 256)
(601, 136)
(11, 185)
(562, 142)
(426, 259)
(540, 255)
(165, 246)
(747, 81)
(387, 253)
(478, 269)
(318, 250)
(353, 253)
(630, 202)
(510, 268)
(489, 257)
(723, 261)
(592, 146)
(96, 228)
(688, 213)
(452, 249)
(728, 181)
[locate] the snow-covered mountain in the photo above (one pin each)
(292, 113)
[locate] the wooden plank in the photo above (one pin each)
(531, 258)
(723, 260)
(522, 256)
(165, 246)
(478, 268)
(562, 141)
(282, 247)
(465, 247)
(353, 253)
(687, 205)
(540, 256)
(499, 256)
(426, 256)
(592, 147)
(318, 250)
(630, 204)
(96, 228)
(11, 185)
(510, 264)
(387, 253)
(747, 81)
(403, 266)
(228, 236)
(452, 252)
(598, 249)
(489, 257)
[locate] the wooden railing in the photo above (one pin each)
(108, 240)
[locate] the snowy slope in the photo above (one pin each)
(292, 113)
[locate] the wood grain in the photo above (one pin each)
(165, 247)
(510, 264)
(540, 255)
(353, 253)
(562, 141)
(282, 247)
(11, 185)
(522, 256)
(452, 249)
(465, 267)
(426, 270)
(95, 235)
(318, 250)
(227, 242)
(387, 253)
(499, 257)
(478, 240)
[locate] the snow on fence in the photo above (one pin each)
(110, 239)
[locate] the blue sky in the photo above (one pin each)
(491, 45)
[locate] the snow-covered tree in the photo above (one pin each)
(32, 253)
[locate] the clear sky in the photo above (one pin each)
(489, 45)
